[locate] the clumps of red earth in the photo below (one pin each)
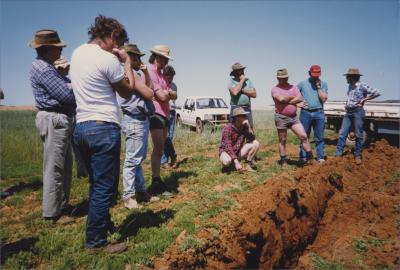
(320, 209)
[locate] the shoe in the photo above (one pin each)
(157, 186)
(61, 220)
(143, 196)
(110, 249)
(358, 161)
(173, 163)
(248, 168)
(283, 163)
(320, 161)
(131, 203)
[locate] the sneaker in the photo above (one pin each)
(109, 248)
(143, 196)
(358, 161)
(61, 220)
(320, 161)
(131, 203)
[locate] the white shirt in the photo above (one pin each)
(92, 72)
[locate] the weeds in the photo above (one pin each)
(323, 264)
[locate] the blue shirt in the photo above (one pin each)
(240, 99)
(361, 91)
(310, 93)
(136, 105)
(50, 89)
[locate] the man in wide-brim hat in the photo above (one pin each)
(241, 90)
(357, 94)
(56, 103)
(238, 142)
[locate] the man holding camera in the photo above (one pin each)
(238, 142)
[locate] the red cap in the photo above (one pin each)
(315, 71)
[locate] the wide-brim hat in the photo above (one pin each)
(236, 66)
(162, 50)
(282, 73)
(46, 37)
(353, 71)
(132, 48)
(61, 62)
(239, 111)
(315, 71)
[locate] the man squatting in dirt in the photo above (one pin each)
(286, 98)
(357, 94)
(238, 142)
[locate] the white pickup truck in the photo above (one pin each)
(381, 118)
(197, 111)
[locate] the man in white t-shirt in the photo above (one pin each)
(97, 75)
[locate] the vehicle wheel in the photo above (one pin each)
(351, 138)
(199, 126)
(178, 121)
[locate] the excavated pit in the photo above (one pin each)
(276, 222)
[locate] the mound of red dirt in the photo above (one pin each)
(320, 208)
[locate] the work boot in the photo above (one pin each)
(109, 248)
(358, 160)
(61, 220)
(143, 196)
(157, 186)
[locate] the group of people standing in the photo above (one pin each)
(107, 76)
(309, 95)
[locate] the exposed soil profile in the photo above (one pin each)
(324, 209)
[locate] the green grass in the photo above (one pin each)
(148, 231)
(323, 264)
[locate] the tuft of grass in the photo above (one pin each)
(189, 243)
(323, 264)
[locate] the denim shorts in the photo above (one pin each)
(285, 122)
(158, 121)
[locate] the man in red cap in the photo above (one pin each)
(315, 93)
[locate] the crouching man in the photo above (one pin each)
(238, 142)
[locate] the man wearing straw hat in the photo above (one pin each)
(238, 142)
(56, 103)
(357, 94)
(241, 90)
(135, 125)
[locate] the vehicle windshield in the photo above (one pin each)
(204, 103)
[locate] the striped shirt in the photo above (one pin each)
(361, 91)
(50, 89)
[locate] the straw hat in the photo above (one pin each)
(61, 62)
(238, 111)
(353, 71)
(132, 48)
(236, 66)
(46, 37)
(282, 73)
(161, 50)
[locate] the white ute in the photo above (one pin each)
(198, 111)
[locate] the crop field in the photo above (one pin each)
(332, 216)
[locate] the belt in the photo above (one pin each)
(69, 114)
(312, 110)
(139, 117)
(352, 109)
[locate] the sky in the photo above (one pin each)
(207, 37)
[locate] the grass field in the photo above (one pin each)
(30, 242)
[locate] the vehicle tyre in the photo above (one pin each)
(351, 138)
(178, 121)
(199, 125)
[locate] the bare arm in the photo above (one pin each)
(162, 95)
(250, 92)
(172, 94)
(238, 88)
(296, 100)
(142, 89)
(147, 77)
(124, 87)
(283, 99)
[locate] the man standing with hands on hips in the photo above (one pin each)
(315, 93)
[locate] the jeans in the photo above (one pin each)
(55, 130)
(315, 120)
(136, 132)
(357, 117)
(99, 144)
(246, 109)
(169, 149)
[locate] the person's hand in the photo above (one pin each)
(143, 67)
(121, 54)
(318, 83)
(362, 102)
(302, 104)
(242, 78)
(238, 166)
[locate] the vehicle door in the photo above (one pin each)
(192, 112)
(185, 112)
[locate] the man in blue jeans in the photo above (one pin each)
(97, 75)
(357, 94)
(169, 149)
(135, 126)
(315, 93)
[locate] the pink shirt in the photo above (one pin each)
(285, 108)
(159, 83)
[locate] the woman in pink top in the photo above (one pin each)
(158, 121)
(287, 98)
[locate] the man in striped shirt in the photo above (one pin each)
(357, 94)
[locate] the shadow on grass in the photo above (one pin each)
(173, 179)
(21, 186)
(329, 141)
(134, 222)
(10, 249)
(180, 162)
